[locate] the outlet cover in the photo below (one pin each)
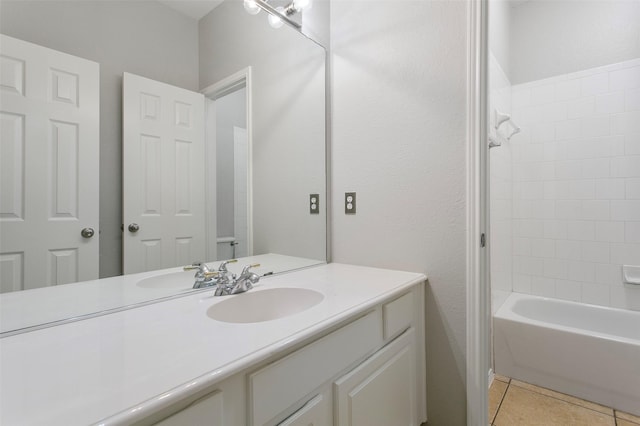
(349, 203)
(314, 203)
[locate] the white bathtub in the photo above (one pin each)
(591, 352)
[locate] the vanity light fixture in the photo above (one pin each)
(278, 14)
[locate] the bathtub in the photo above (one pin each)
(588, 351)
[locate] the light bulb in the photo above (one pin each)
(301, 4)
(251, 7)
(274, 20)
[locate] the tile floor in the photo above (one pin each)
(515, 403)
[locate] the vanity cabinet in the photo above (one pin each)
(207, 410)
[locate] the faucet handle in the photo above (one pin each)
(223, 265)
(211, 274)
(193, 266)
(246, 268)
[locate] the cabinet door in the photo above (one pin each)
(205, 411)
(316, 412)
(382, 390)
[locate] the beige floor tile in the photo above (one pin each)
(628, 417)
(496, 392)
(522, 407)
(564, 397)
(621, 422)
(501, 378)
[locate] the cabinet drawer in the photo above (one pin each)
(276, 387)
(397, 315)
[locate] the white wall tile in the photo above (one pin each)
(609, 231)
(543, 94)
(625, 253)
(576, 190)
(626, 123)
(625, 210)
(595, 84)
(522, 283)
(607, 273)
(582, 271)
(610, 189)
(625, 79)
(567, 90)
(522, 246)
(632, 145)
(568, 290)
(595, 294)
(570, 169)
(632, 100)
(596, 126)
(555, 229)
(581, 230)
(596, 168)
(567, 249)
(541, 286)
(610, 102)
(568, 209)
(520, 97)
(555, 268)
(541, 247)
(632, 188)
(595, 210)
(595, 252)
(569, 129)
(625, 166)
(583, 107)
(632, 232)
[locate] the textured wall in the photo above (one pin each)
(144, 38)
(558, 37)
(399, 84)
(577, 185)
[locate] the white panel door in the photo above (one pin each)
(163, 175)
(49, 165)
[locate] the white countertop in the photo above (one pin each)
(29, 308)
(127, 364)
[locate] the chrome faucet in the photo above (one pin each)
(204, 276)
(243, 283)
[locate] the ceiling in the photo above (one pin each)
(195, 9)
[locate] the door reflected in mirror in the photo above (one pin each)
(227, 172)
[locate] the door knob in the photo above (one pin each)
(133, 227)
(87, 232)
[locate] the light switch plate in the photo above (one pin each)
(349, 203)
(314, 203)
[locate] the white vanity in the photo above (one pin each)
(354, 356)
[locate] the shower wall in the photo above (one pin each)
(576, 185)
(501, 190)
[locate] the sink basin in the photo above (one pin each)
(175, 280)
(264, 305)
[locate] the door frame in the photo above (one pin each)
(215, 91)
(477, 256)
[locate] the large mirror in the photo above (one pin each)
(241, 104)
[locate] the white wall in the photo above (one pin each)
(500, 32)
(399, 117)
(562, 36)
(140, 37)
(230, 113)
(288, 123)
(577, 185)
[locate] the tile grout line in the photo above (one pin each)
(500, 403)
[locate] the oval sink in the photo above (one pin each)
(264, 305)
(176, 280)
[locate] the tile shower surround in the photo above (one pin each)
(576, 185)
